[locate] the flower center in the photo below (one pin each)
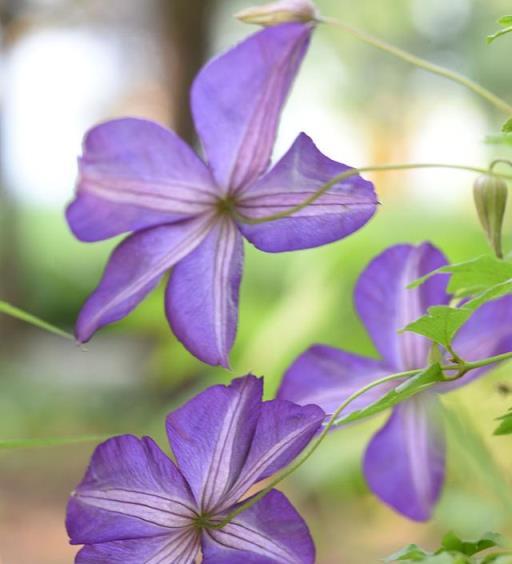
(203, 522)
(225, 206)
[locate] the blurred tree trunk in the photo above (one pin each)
(187, 29)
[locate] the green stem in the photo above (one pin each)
(18, 313)
(496, 101)
(486, 361)
(354, 172)
(462, 368)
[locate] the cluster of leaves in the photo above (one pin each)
(472, 284)
(505, 138)
(453, 550)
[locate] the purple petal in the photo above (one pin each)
(269, 532)
(487, 333)
(237, 99)
(326, 377)
(178, 548)
(136, 174)
(282, 433)
(386, 305)
(202, 295)
(135, 268)
(130, 490)
(345, 208)
(211, 436)
(405, 461)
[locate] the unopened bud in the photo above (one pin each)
(491, 195)
(280, 12)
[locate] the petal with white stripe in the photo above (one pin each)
(136, 174)
(270, 532)
(237, 100)
(130, 490)
(405, 461)
(211, 435)
(202, 295)
(343, 209)
(178, 548)
(284, 429)
(135, 268)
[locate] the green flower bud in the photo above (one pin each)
(490, 195)
(280, 12)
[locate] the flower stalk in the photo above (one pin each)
(462, 369)
(355, 172)
(476, 88)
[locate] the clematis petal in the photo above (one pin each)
(211, 436)
(385, 305)
(487, 333)
(326, 377)
(237, 99)
(178, 548)
(135, 268)
(405, 461)
(202, 295)
(270, 532)
(345, 208)
(136, 174)
(131, 490)
(283, 431)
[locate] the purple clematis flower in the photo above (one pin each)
(136, 176)
(135, 505)
(404, 463)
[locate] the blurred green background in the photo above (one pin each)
(66, 65)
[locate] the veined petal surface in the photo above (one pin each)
(136, 174)
(211, 436)
(135, 268)
(283, 431)
(343, 209)
(202, 294)
(179, 548)
(270, 532)
(237, 100)
(405, 461)
(131, 490)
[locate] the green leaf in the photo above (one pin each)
(507, 126)
(477, 275)
(412, 552)
(9, 309)
(485, 278)
(493, 293)
(497, 558)
(9, 444)
(440, 323)
(453, 550)
(471, 277)
(451, 542)
(505, 427)
(503, 139)
(505, 20)
(403, 391)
